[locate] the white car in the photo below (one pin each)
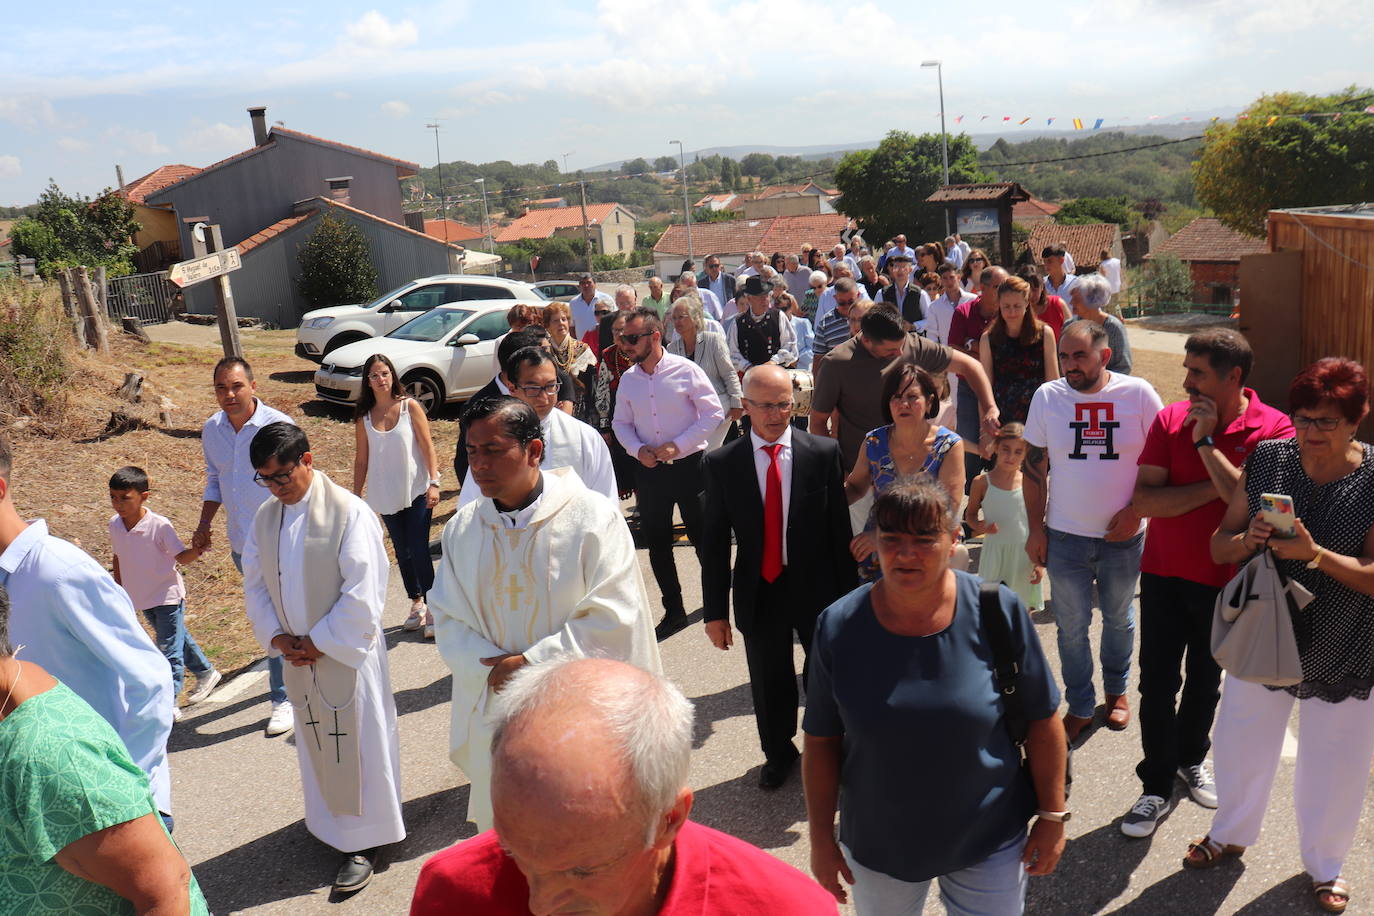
(324, 330)
(445, 354)
(559, 290)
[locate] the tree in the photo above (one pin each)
(1166, 281)
(885, 189)
(635, 167)
(1099, 210)
(336, 265)
(666, 164)
(1252, 166)
(63, 231)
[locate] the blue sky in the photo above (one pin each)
(86, 87)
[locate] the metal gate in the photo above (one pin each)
(147, 296)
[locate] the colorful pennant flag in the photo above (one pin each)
(1023, 121)
(1049, 120)
(1098, 125)
(1077, 123)
(1272, 119)
(958, 119)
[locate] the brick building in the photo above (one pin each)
(1212, 252)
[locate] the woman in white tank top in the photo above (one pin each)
(396, 462)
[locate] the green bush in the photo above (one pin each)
(1166, 280)
(35, 339)
(336, 265)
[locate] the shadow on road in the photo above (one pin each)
(712, 708)
(1293, 894)
(416, 699)
(195, 731)
(740, 808)
(1093, 871)
(291, 863)
(1190, 893)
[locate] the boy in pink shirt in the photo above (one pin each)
(146, 553)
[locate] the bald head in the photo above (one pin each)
(768, 376)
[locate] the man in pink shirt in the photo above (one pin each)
(590, 761)
(1192, 459)
(665, 408)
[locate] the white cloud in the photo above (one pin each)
(27, 113)
(72, 144)
(217, 138)
(10, 167)
(372, 32)
(395, 109)
(138, 141)
(340, 94)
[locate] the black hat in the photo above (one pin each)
(753, 286)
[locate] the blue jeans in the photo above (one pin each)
(970, 427)
(276, 683)
(176, 643)
(409, 530)
(1075, 563)
(995, 886)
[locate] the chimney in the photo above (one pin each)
(338, 188)
(119, 176)
(258, 115)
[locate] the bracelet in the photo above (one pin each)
(1058, 817)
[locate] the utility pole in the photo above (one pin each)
(439, 164)
(586, 233)
(565, 160)
(944, 136)
(486, 220)
(686, 207)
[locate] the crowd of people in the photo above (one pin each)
(799, 416)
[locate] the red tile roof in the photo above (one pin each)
(1206, 239)
(453, 232)
(1034, 209)
(958, 193)
(721, 199)
(777, 189)
(540, 224)
(775, 233)
(272, 231)
(1084, 243)
(162, 176)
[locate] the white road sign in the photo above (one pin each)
(198, 270)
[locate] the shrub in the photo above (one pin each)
(336, 265)
(1166, 280)
(35, 342)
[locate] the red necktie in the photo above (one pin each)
(772, 516)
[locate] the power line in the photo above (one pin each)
(1133, 149)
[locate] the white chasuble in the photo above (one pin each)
(565, 583)
(568, 443)
(319, 569)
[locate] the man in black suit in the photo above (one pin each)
(781, 491)
(716, 280)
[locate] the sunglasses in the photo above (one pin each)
(280, 479)
(633, 339)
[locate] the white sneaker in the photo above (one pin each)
(1200, 784)
(283, 719)
(204, 684)
(1144, 816)
(176, 713)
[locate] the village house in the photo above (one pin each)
(732, 240)
(1212, 252)
(610, 227)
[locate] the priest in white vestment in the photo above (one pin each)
(315, 574)
(538, 566)
(532, 376)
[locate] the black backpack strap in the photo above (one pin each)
(1006, 670)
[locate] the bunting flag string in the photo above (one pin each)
(1099, 123)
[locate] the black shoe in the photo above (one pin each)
(356, 871)
(670, 624)
(773, 775)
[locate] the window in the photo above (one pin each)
(489, 326)
(483, 291)
(617, 216)
(620, 243)
(427, 297)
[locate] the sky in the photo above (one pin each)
(87, 87)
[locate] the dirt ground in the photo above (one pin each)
(64, 480)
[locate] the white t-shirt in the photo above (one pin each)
(1093, 441)
(1111, 269)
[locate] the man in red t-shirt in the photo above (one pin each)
(589, 786)
(1189, 467)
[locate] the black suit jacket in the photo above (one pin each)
(704, 282)
(819, 566)
(566, 392)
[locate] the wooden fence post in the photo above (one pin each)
(90, 309)
(102, 292)
(70, 306)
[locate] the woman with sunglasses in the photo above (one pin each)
(395, 461)
(976, 262)
(1329, 475)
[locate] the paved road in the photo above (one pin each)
(238, 806)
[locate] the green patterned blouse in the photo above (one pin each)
(64, 774)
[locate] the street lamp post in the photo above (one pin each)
(486, 221)
(565, 160)
(686, 207)
(439, 164)
(944, 136)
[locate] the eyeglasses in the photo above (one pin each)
(601, 313)
(775, 407)
(977, 260)
(906, 400)
(280, 479)
(534, 391)
(633, 339)
(1325, 424)
(844, 303)
(379, 377)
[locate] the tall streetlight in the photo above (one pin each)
(565, 160)
(686, 207)
(486, 221)
(944, 137)
(439, 164)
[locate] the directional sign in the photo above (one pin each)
(198, 270)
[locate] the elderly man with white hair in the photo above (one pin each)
(1089, 297)
(590, 761)
(798, 277)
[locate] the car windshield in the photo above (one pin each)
(542, 294)
(431, 326)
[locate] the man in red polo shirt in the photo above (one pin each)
(589, 786)
(1189, 467)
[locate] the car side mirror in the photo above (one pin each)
(464, 340)
(394, 305)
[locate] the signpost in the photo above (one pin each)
(198, 270)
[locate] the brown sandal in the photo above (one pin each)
(1332, 896)
(1208, 853)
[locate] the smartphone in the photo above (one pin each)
(1277, 510)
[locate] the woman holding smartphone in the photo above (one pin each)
(1329, 476)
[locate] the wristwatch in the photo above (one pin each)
(1205, 440)
(434, 482)
(1316, 560)
(1059, 817)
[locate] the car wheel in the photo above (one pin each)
(426, 391)
(342, 339)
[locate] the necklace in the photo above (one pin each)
(18, 673)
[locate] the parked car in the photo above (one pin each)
(445, 354)
(559, 290)
(324, 330)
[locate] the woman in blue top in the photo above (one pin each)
(907, 445)
(905, 723)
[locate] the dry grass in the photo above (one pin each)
(1163, 370)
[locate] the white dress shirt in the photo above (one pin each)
(229, 472)
(584, 312)
(675, 403)
(941, 314)
(716, 286)
(761, 462)
(786, 353)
